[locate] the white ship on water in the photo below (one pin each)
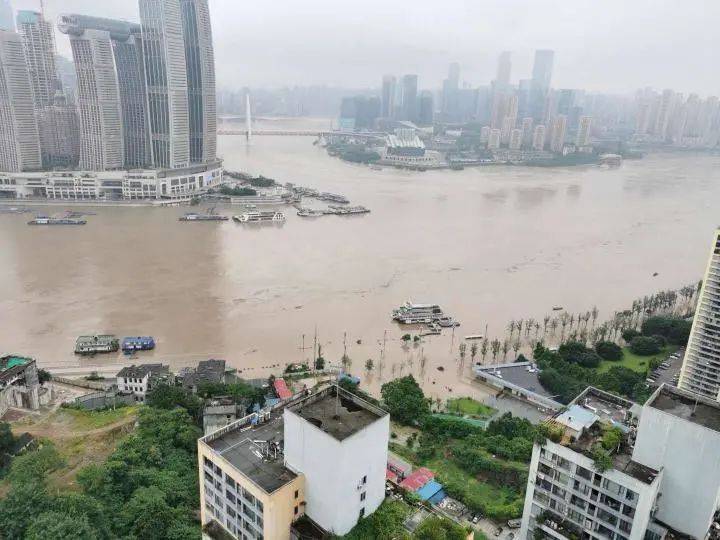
(430, 314)
(260, 217)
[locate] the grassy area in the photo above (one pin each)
(87, 420)
(636, 362)
(385, 523)
(470, 407)
(475, 494)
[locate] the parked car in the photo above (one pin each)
(514, 523)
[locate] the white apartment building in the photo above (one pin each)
(557, 141)
(139, 380)
(701, 365)
(538, 141)
(321, 455)
(652, 489)
(583, 133)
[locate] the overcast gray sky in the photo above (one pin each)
(603, 45)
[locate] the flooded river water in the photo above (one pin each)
(487, 244)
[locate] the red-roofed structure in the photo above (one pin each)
(281, 389)
(417, 479)
(389, 475)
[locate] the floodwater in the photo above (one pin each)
(488, 244)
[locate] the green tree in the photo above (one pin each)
(608, 350)
(61, 526)
(644, 346)
(405, 400)
(436, 528)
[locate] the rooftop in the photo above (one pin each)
(340, 415)
(691, 407)
(142, 370)
(590, 415)
(11, 366)
(255, 450)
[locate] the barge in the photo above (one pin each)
(139, 343)
(260, 217)
(102, 343)
(44, 220)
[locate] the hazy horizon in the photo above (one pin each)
(613, 47)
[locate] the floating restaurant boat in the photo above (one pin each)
(309, 212)
(103, 343)
(44, 220)
(139, 343)
(348, 210)
(332, 197)
(411, 313)
(258, 217)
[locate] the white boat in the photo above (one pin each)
(259, 217)
(309, 212)
(411, 313)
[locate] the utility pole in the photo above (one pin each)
(382, 353)
(315, 346)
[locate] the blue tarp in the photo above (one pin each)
(428, 490)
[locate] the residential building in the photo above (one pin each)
(409, 106)
(583, 132)
(200, 67)
(39, 44)
(558, 133)
(7, 21)
(701, 365)
(516, 139)
(645, 487)
(485, 134)
(139, 380)
(538, 140)
(207, 371)
(19, 138)
(389, 88)
(60, 136)
(426, 108)
(504, 67)
(494, 139)
(527, 132)
(167, 82)
(322, 455)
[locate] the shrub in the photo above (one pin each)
(629, 334)
(609, 350)
(602, 458)
(574, 351)
(644, 346)
(674, 329)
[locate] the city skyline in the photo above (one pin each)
(627, 55)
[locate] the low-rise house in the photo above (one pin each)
(139, 380)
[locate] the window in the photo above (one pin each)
(364, 481)
(259, 505)
(362, 512)
(362, 496)
(297, 492)
(295, 510)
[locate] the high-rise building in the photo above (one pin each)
(19, 138)
(558, 133)
(494, 139)
(516, 138)
(7, 21)
(540, 85)
(200, 67)
(60, 136)
(167, 82)
(39, 45)
(527, 132)
(617, 470)
(426, 113)
(409, 97)
(701, 366)
(261, 473)
(538, 140)
(67, 76)
(450, 94)
(389, 85)
(663, 112)
(504, 67)
(583, 132)
(484, 134)
(111, 93)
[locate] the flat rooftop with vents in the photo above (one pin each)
(688, 406)
(337, 412)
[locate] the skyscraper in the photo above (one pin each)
(109, 84)
(450, 97)
(583, 133)
(200, 67)
(409, 97)
(538, 142)
(558, 133)
(426, 108)
(389, 84)
(167, 82)
(39, 45)
(60, 136)
(503, 69)
(540, 85)
(19, 139)
(527, 132)
(700, 371)
(7, 22)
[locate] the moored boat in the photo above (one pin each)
(44, 220)
(259, 217)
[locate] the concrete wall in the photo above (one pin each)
(690, 456)
(334, 470)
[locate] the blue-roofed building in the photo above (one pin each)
(429, 490)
